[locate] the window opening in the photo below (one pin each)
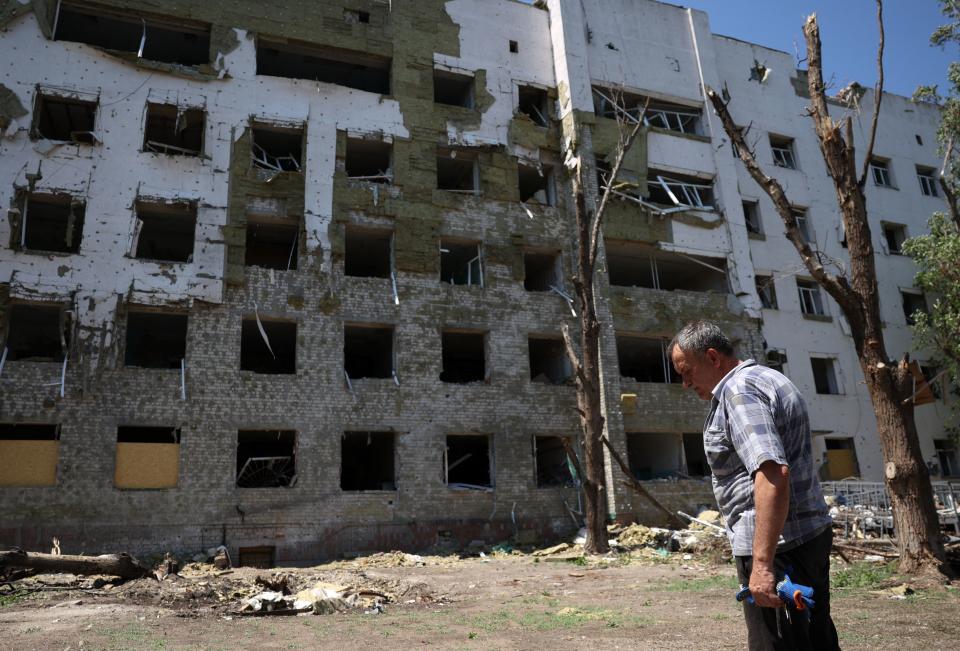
(155, 339)
(803, 225)
(461, 263)
(913, 302)
(147, 457)
(928, 184)
(29, 452)
(368, 351)
(39, 333)
(51, 222)
(777, 359)
(174, 130)
(645, 359)
(367, 461)
(767, 291)
(551, 462)
(453, 89)
(353, 17)
(654, 455)
(536, 184)
(272, 351)
(469, 461)
(65, 119)
(947, 457)
(673, 117)
(369, 160)
(608, 103)
(349, 68)
(464, 357)
(632, 264)
(457, 171)
(881, 173)
(694, 455)
(680, 191)
(271, 244)
(841, 458)
(894, 235)
(533, 104)
(541, 271)
(367, 253)
(811, 301)
(548, 360)
(263, 556)
(514, 47)
(783, 152)
(165, 231)
(825, 375)
(279, 150)
(751, 217)
(266, 458)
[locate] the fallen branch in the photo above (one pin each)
(638, 487)
(863, 550)
(122, 565)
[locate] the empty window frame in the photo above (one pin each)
(551, 464)
(783, 155)
(913, 302)
(453, 89)
(548, 360)
(894, 235)
(155, 339)
(931, 374)
(463, 356)
(514, 47)
(298, 60)
(64, 119)
(50, 222)
(803, 225)
(39, 333)
(673, 117)
(277, 149)
(927, 178)
(368, 351)
(811, 300)
(536, 184)
(468, 462)
(354, 16)
(608, 102)
(678, 190)
(532, 102)
(272, 244)
(654, 455)
(150, 37)
(368, 461)
(751, 217)
(947, 457)
(457, 171)
(461, 263)
(147, 457)
(272, 351)
(632, 264)
(174, 130)
(368, 252)
(165, 231)
(880, 169)
(776, 358)
(369, 160)
(767, 291)
(694, 455)
(825, 375)
(266, 458)
(645, 359)
(541, 271)
(29, 452)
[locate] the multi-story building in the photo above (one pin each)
(291, 278)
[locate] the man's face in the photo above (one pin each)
(699, 372)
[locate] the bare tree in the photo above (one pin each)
(890, 383)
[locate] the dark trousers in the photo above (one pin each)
(808, 564)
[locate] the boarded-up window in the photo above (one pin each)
(147, 457)
(28, 454)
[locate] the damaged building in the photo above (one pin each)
(292, 278)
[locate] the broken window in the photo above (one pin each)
(674, 117)
(608, 102)
(767, 291)
(147, 457)
(452, 88)
(367, 252)
(654, 455)
(632, 264)
(369, 160)
(694, 455)
(277, 149)
(266, 458)
(64, 119)
(297, 60)
(880, 169)
(271, 244)
(165, 231)
(268, 346)
(551, 462)
(367, 461)
(39, 333)
(626, 185)
(548, 360)
(29, 452)
(679, 190)
(947, 457)
(894, 235)
(913, 302)
(368, 351)
(461, 263)
(645, 359)
(777, 359)
(803, 225)
(457, 171)
(928, 184)
(533, 103)
(825, 375)
(541, 271)
(930, 375)
(174, 130)
(841, 457)
(751, 217)
(464, 356)
(782, 148)
(811, 300)
(469, 461)
(50, 222)
(156, 339)
(150, 37)
(536, 184)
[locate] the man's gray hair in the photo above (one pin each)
(697, 336)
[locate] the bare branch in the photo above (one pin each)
(574, 459)
(877, 97)
(571, 351)
(948, 192)
(637, 486)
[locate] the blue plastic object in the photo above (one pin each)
(795, 595)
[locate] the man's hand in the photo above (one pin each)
(763, 587)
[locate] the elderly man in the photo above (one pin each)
(757, 441)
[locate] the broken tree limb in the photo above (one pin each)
(122, 565)
(877, 98)
(638, 487)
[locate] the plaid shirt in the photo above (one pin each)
(758, 415)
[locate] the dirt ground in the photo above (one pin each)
(500, 602)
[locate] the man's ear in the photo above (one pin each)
(714, 356)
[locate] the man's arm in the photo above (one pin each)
(771, 496)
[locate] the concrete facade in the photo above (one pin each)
(455, 178)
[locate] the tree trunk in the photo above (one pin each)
(122, 565)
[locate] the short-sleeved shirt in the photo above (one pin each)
(759, 415)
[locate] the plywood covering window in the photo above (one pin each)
(64, 119)
(50, 222)
(28, 454)
(156, 339)
(266, 458)
(165, 230)
(174, 130)
(272, 351)
(299, 60)
(368, 461)
(147, 457)
(36, 332)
